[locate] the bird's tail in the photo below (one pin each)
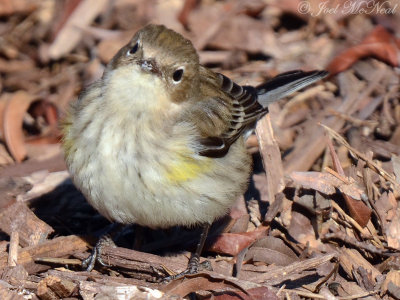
(285, 84)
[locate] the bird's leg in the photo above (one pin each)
(105, 240)
(194, 261)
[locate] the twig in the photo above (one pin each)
(355, 121)
(352, 241)
(358, 155)
(59, 261)
(350, 220)
(13, 252)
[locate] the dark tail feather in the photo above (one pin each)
(286, 84)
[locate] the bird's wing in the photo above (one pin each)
(249, 103)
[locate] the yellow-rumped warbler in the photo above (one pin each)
(159, 139)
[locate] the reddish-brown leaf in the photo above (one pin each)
(379, 43)
(234, 243)
(13, 116)
(358, 210)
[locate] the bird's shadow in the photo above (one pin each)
(68, 212)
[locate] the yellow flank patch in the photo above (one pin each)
(67, 142)
(187, 168)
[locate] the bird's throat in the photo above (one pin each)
(130, 88)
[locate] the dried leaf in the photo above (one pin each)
(234, 243)
(13, 116)
(358, 211)
(379, 43)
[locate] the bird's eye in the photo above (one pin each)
(177, 76)
(134, 49)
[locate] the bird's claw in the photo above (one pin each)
(192, 268)
(89, 263)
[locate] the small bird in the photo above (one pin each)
(159, 140)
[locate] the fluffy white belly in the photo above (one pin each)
(127, 179)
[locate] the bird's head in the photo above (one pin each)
(159, 54)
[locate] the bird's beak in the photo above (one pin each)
(149, 65)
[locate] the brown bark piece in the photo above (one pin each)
(57, 247)
(271, 157)
(52, 286)
(18, 217)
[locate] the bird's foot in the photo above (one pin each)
(89, 263)
(194, 266)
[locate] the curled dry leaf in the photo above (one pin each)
(379, 43)
(11, 123)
